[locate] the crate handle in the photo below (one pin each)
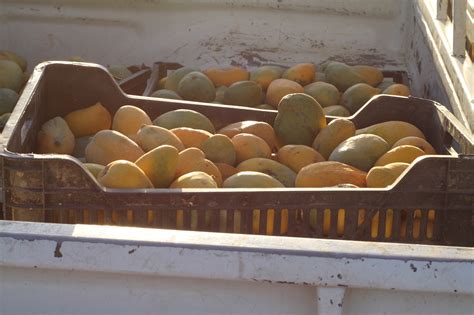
(456, 130)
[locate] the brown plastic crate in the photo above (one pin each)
(137, 82)
(162, 69)
(57, 188)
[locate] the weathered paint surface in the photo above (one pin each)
(79, 260)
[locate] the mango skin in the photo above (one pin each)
(392, 131)
(329, 174)
(109, 145)
(159, 165)
(249, 179)
(331, 136)
(383, 176)
(184, 118)
(195, 179)
(123, 174)
(281, 172)
(299, 119)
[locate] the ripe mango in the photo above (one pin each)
(123, 174)
(226, 76)
(195, 179)
(281, 172)
(175, 77)
(392, 131)
(159, 165)
(249, 146)
(55, 137)
(164, 93)
(184, 118)
(259, 128)
(383, 176)
(325, 93)
(109, 145)
(336, 110)
(264, 75)
(19, 60)
(417, 142)
(219, 149)
(250, 179)
(299, 119)
(357, 95)
(11, 76)
(361, 151)
(193, 159)
(297, 156)
(342, 76)
(397, 89)
(329, 174)
(303, 73)
(94, 169)
(279, 88)
(150, 137)
(331, 136)
(372, 75)
(88, 121)
(243, 93)
(196, 86)
(191, 137)
(128, 119)
(402, 153)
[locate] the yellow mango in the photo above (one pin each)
(123, 174)
(108, 145)
(159, 165)
(249, 146)
(128, 119)
(150, 137)
(55, 137)
(403, 153)
(383, 176)
(328, 174)
(297, 156)
(332, 135)
(191, 137)
(88, 121)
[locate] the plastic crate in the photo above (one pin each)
(57, 188)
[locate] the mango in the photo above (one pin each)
(191, 137)
(325, 93)
(226, 76)
(357, 95)
(219, 149)
(383, 176)
(175, 77)
(94, 169)
(55, 137)
(336, 110)
(264, 75)
(249, 179)
(149, 137)
(184, 118)
(402, 153)
(331, 136)
(280, 172)
(303, 73)
(108, 145)
(128, 119)
(226, 170)
(397, 89)
(329, 174)
(371, 75)
(159, 165)
(342, 76)
(392, 131)
(220, 92)
(11, 76)
(196, 86)
(258, 128)
(249, 146)
(88, 121)
(19, 60)
(195, 179)
(417, 142)
(164, 93)
(161, 84)
(297, 156)
(80, 145)
(361, 151)
(299, 119)
(119, 72)
(123, 174)
(8, 100)
(279, 88)
(193, 159)
(243, 93)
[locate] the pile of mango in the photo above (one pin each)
(183, 149)
(13, 77)
(339, 88)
